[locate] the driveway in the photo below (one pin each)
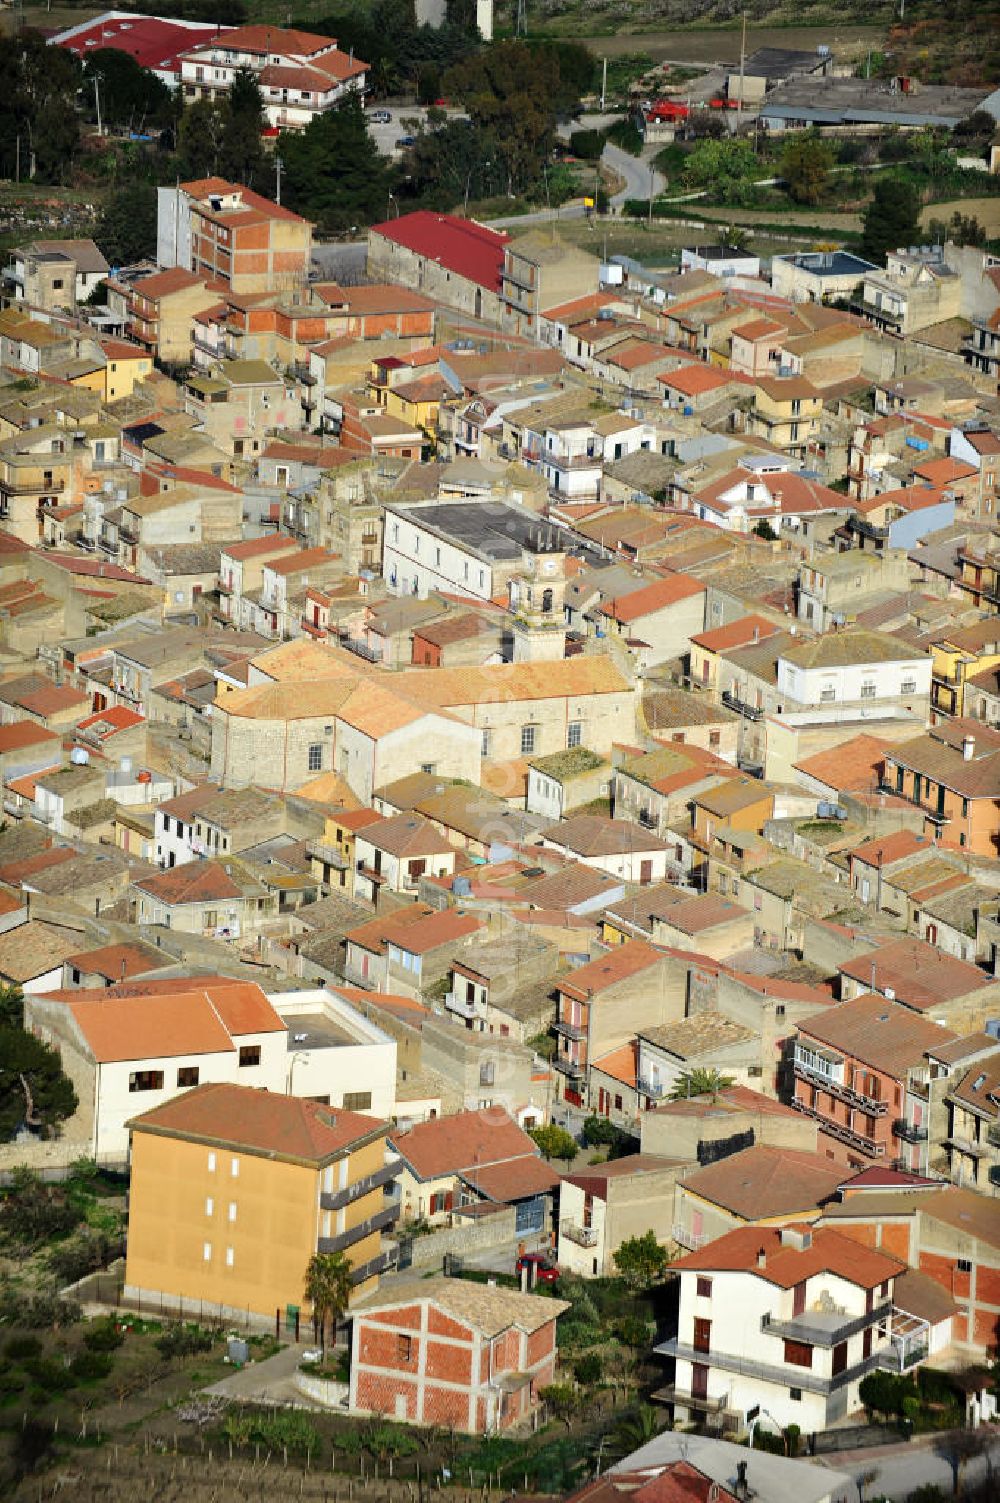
(900, 1470)
(641, 178)
(269, 1382)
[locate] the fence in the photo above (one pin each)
(483, 1234)
(106, 1291)
(853, 1438)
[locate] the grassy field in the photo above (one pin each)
(716, 44)
(986, 210)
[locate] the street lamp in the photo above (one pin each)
(756, 1421)
(299, 1054)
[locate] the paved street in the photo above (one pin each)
(900, 1470)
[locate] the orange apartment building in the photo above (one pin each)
(852, 1068)
(232, 1191)
(950, 1234)
(245, 241)
(469, 1356)
(952, 774)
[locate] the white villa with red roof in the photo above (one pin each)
(300, 74)
(783, 1319)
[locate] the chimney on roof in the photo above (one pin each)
(798, 1237)
(968, 747)
(756, 635)
(762, 1257)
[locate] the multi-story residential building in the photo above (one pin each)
(541, 273)
(602, 1004)
(949, 1233)
(952, 774)
(451, 1353)
(917, 288)
(158, 310)
(443, 256)
(981, 348)
(852, 1068)
(602, 1206)
(241, 569)
(450, 1162)
(787, 1320)
(474, 550)
(918, 974)
(217, 899)
(973, 1141)
(54, 274)
(818, 276)
(139, 1043)
(299, 75)
(834, 588)
(959, 654)
(396, 853)
(786, 411)
(857, 669)
(900, 518)
(232, 1191)
(505, 986)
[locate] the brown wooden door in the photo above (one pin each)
(645, 873)
(699, 1380)
(702, 1335)
(798, 1299)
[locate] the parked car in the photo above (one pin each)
(380, 117)
(403, 141)
(545, 1271)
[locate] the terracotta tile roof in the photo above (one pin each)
(621, 1064)
(34, 948)
(258, 1121)
(598, 835)
(194, 882)
(517, 1179)
(706, 911)
(624, 961)
(737, 634)
(852, 767)
(879, 1032)
(115, 718)
(979, 1087)
(694, 379)
(765, 1181)
(415, 930)
(467, 1141)
(829, 1252)
(120, 962)
(468, 249)
(253, 547)
(22, 733)
(485, 1308)
(18, 871)
(655, 596)
(886, 849)
(919, 974)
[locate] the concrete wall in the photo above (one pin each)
(465, 1238)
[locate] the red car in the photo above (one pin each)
(545, 1272)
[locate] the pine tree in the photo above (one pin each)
(892, 218)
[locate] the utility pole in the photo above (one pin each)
(278, 165)
(743, 59)
(97, 98)
(604, 82)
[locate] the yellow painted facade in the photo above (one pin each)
(236, 1229)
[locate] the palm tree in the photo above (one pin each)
(328, 1290)
(700, 1082)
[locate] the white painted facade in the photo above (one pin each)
(855, 683)
(630, 866)
(363, 1062)
(416, 561)
(746, 1361)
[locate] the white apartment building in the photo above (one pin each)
(335, 1055)
(853, 668)
(466, 547)
(787, 1320)
(138, 1048)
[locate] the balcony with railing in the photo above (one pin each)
(671, 1394)
(868, 529)
(685, 1237)
(334, 1200)
(654, 1089)
(461, 1006)
(969, 1146)
(386, 1259)
(871, 1105)
(993, 1135)
(376, 1223)
(583, 1236)
(570, 1067)
(871, 1147)
(910, 1132)
(784, 1375)
(570, 1030)
(732, 701)
(823, 1330)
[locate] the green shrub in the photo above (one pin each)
(49, 1375)
(103, 1336)
(90, 1367)
(20, 1347)
(589, 1370)
(587, 144)
(184, 1341)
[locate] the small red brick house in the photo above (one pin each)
(450, 1352)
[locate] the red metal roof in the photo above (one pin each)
(154, 43)
(459, 245)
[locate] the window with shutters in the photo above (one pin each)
(798, 1353)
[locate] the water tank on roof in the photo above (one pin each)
(79, 756)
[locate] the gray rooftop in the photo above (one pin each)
(489, 529)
